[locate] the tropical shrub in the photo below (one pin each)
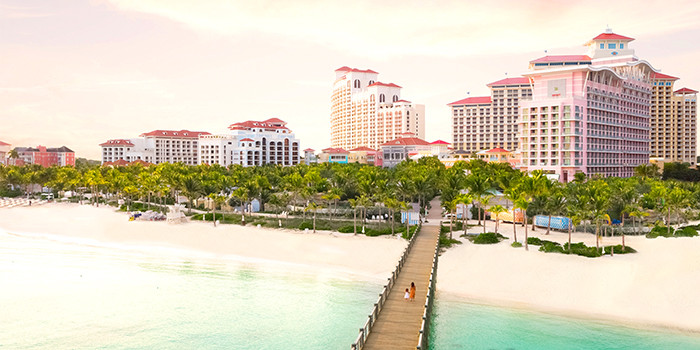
(617, 249)
(306, 224)
(551, 247)
(446, 242)
(662, 231)
(346, 229)
(487, 238)
(687, 231)
(582, 250)
(516, 245)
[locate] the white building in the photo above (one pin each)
(368, 113)
(158, 146)
(251, 143)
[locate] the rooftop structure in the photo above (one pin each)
(45, 156)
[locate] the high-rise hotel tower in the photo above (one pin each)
(673, 121)
(368, 113)
(588, 113)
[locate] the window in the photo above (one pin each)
(602, 46)
(371, 82)
(357, 83)
(622, 46)
(382, 98)
(611, 46)
(395, 98)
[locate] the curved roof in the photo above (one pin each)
(348, 69)
(116, 143)
(176, 133)
(561, 58)
(511, 81)
(660, 76)
(685, 91)
(472, 101)
(384, 84)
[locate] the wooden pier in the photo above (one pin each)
(396, 323)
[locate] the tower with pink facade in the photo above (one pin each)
(588, 113)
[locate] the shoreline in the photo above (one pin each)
(654, 288)
(322, 252)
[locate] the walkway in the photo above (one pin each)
(398, 324)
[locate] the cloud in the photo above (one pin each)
(444, 28)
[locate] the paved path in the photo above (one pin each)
(398, 324)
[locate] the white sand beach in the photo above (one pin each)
(658, 286)
(345, 254)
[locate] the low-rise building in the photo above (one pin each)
(402, 148)
(158, 146)
(333, 155)
(46, 157)
(4, 152)
(363, 155)
(310, 156)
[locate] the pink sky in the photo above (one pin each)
(78, 73)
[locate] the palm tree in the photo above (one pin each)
(331, 197)
(354, 203)
(647, 171)
(465, 199)
(313, 206)
(479, 186)
(555, 205)
(496, 210)
(599, 197)
(678, 198)
(451, 206)
(218, 199)
(192, 189)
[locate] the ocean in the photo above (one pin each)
(63, 293)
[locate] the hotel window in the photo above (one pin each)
(622, 46)
(602, 46)
(611, 46)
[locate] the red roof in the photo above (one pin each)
(383, 84)
(275, 121)
(659, 76)
(334, 150)
(309, 150)
(406, 141)
(497, 150)
(612, 36)
(439, 142)
(402, 101)
(122, 162)
(561, 58)
(4, 144)
(249, 124)
(472, 101)
(348, 69)
(511, 81)
(686, 91)
(174, 133)
(247, 140)
(362, 149)
(115, 143)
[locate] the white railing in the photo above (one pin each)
(428, 308)
(372, 318)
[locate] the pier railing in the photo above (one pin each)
(428, 308)
(367, 328)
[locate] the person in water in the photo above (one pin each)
(413, 291)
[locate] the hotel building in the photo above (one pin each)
(483, 123)
(251, 143)
(366, 112)
(46, 157)
(673, 121)
(588, 113)
(158, 146)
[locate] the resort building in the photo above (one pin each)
(363, 155)
(403, 148)
(486, 122)
(4, 152)
(251, 143)
(588, 113)
(46, 157)
(158, 146)
(673, 122)
(310, 156)
(333, 155)
(366, 112)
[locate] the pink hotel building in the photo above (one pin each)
(588, 113)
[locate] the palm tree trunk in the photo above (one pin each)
(354, 221)
(484, 220)
(570, 229)
(525, 221)
(597, 232)
(391, 212)
(450, 227)
(515, 235)
(668, 223)
(314, 220)
(549, 224)
(213, 218)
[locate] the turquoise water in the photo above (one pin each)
(460, 325)
(78, 295)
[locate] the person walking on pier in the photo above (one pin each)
(413, 291)
(407, 295)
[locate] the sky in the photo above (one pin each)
(78, 73)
